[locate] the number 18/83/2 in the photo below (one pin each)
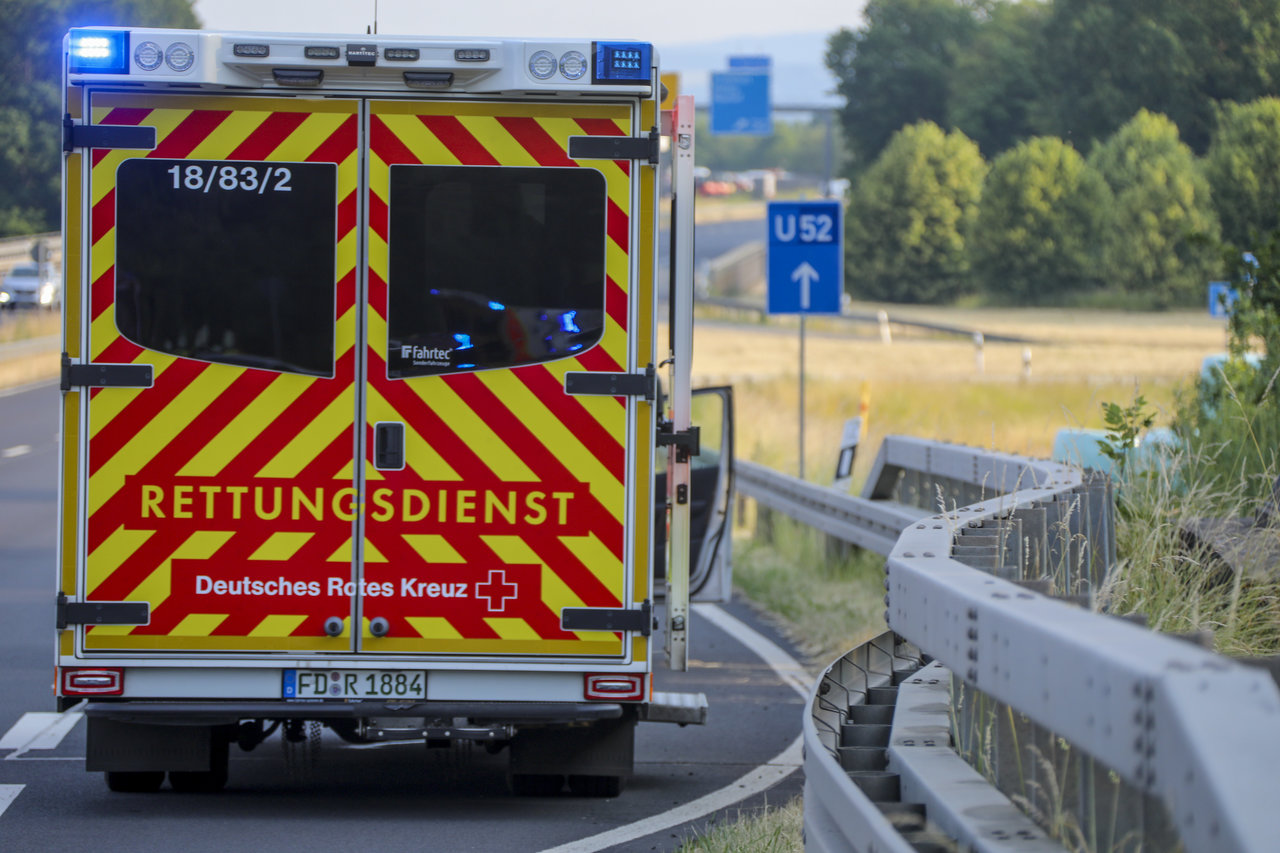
(256, 178)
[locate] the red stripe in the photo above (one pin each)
(126, 115)
(454, 136)
(141, 410)
(378, 215)
(387, 145)
(597, 358)
(600, 127)
(298, 416)
(615, 300)
(347, 214)
(428, 423)
(346, 295)
(598, 441)
(102, 292)
(517, 435)
(378, 294)
(140, 564)
(103, 217)
(532, 138)
(618, 226)
(189, 133)
(267, 136)
(605, 127)
(338, 146)
(570, 568)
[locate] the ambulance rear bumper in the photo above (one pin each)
(205, 713)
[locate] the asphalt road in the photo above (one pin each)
(396, 797)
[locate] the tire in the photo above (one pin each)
(536, 784)
(134, 781)
(595, 786)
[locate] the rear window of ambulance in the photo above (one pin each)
(493, 266)
(228, 262)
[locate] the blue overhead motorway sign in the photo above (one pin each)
(806, 257)
(740, 98)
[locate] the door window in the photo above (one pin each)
(228, 262)
(493, 266)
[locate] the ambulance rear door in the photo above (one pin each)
(220, 303)
(499, 267)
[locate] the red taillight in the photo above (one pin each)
(617, 687)
(99, 681)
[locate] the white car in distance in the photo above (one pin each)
(25, 286)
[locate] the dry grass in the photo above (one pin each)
(21, 325)
(768, 830)
(929, 386)
(26, 366)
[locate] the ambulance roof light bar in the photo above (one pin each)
(373, 62)
(99, 52)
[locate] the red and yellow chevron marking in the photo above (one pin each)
(214, 494)
(517, 489)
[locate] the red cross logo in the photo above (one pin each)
(497, 591)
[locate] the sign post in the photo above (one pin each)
(805, 267)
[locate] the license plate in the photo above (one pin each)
(353, 684)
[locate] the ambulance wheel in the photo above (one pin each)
(134, 781)
(595, 786)
(536, 784)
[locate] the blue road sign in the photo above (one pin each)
(1222, 298)
(740, 104)
(760, 64)
(806, 257)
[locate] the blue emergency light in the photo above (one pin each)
(99, 52)
(622, 62)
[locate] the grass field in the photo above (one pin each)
(22, 368)
(929, 385)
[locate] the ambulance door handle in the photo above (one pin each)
(388, 446)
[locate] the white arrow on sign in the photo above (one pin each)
(806, 275)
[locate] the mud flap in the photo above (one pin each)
(132, 747)
(605, 748)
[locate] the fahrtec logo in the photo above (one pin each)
(428, 353)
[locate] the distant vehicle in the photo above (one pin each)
(25, 286)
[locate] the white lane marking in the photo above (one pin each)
(9, 793)
(38, 730)
(790, 670)
(761, 778)
(16, 450)
(27, 727)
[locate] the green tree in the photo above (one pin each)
(1038, 225)
(911, 215)
(30, 103)
(1160, 236)
(1243, 167)
(1106, 59)
(898, 68)
(994, 87)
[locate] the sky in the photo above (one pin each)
(658, 21)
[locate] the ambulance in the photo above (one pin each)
(363, 419)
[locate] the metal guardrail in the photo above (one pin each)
(757, 308)
(1117, 736)
(17, 250)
